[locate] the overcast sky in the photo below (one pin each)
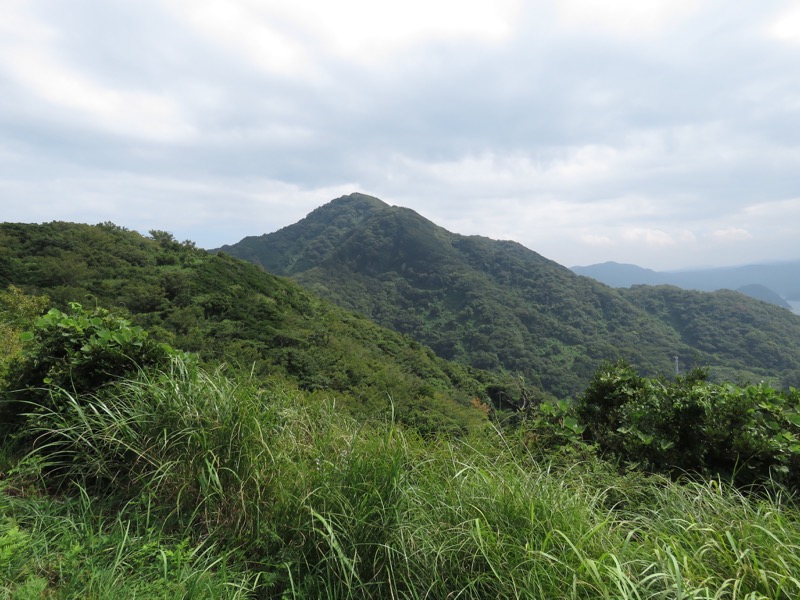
(664, 133)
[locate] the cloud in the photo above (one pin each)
(132, 113)
(786, 26)
(209, 212)
(293, 39)
(631, 17)
(731, 234)
(588, 131)
(601, 241)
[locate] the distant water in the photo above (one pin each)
(795, 304)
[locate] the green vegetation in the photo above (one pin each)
(689, 425)
(189, 483)
(180, 481)
(497, 305)
(227, 310)
(745, 336)
(80, 351)
(17, 310)
(299, 451)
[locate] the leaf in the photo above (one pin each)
(571, 423)
(26, 336)
(793, 418)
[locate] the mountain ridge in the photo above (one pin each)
(495, 304)
(780, 277)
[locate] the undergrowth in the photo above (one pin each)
(190, 483)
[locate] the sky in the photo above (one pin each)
(664, 133)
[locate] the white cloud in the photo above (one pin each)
(360, 27)
(29, 57)
(277, 35)
(786, 26)
(130, 112)
(630, 17)
(210, 212)
(649, 237)
(652, 132)
(731, 234)
(248, 29)
(786, 209)
(602, 241)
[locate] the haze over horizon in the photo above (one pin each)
(664, 134)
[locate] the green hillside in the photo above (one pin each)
(230, 310)
(129, 469)
(498, 305)
(743, 334)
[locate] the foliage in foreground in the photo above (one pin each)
(749, 433)
(79, 351)
(188, 483)
(17, 311)
(178, 481)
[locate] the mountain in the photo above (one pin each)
(498, 305)
(230, 310)
(763, 293)
(739, 331)
(782, 279)
(620, 275)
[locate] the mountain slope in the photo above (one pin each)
(748, 334)
(228, 309)
(490, 304)
(763, 293)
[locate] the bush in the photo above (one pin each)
(80, 351)
(688, 424)
(17, 312)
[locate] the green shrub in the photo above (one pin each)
(748, 433)
(80, 351)
(17, 311)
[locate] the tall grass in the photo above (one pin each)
(196, 484)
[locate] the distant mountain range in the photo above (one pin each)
(778, 283)
(498, 305)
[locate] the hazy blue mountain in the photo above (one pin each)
(498, 305)
(620, 275)
(763, 293)
(782, 278)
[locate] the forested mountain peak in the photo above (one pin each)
(499, 305)
(306, 242)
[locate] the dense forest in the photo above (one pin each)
(179, 424)
(498, 305)
(229, 310)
